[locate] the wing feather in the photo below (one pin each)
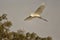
(40, 9)
(28, 18)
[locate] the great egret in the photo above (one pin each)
(37, 13)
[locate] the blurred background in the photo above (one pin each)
(18, 10)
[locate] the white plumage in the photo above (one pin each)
(37, 13)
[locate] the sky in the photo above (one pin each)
(18, 10)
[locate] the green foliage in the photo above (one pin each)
(7, 24)
(5, 34)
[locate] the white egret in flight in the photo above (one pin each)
(37, 13)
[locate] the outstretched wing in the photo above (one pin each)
(43, 19)
(28, 18)
(40, 9)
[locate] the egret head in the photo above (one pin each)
(32, 14)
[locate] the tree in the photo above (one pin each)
(38, 38)
(49, 38)
(33, 36)
(5, 33)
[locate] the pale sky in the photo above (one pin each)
(18, 10)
